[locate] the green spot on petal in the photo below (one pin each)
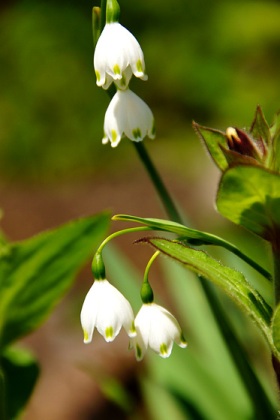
(109, 332)
(133, 329)
(114, 135)
(183, 341)
(85, 336)
(163, 349)
(116, 69)
(139, 66)
(97, 74)
(137, 133)
(138, 352)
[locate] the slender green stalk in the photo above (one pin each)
(163, 193)
(119, 233)
(2, 396)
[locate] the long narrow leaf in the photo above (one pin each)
(195, 237)
(35, 273)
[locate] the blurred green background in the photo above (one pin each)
(211, 61)
(208, 61)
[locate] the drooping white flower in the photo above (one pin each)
(127, 115)
(106, 309)
(117, 56)
(156, 328)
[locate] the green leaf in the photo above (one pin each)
(20, 372)
(193, 236)
(34, 274)
(275, 328)
(275, 134)
(213, 140)
(260, 129)
(250, 197)
(229, 280)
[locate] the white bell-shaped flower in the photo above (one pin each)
(156, 328)
(106, 309)
(117, 56)
(127, 115)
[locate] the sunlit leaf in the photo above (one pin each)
(275, 133)
(213, 140)
(250, 197)
(35, 273)
(260, 129)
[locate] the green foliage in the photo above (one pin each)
(34, 274)
(192, 236)
(20, 371)
(230, 281)
(250, 197)
(276, 328)
(213, 139)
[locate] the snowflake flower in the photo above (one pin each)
(106, 309)
(156, 328)
(128, 115)
(117, 56)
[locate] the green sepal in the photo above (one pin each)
(146, 293)
(112, 11)
(98, 267)
(260, 129)
(214, 140)
(275, 135)
(250, 196)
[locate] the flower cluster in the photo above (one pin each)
(107, 310)
(117, 57)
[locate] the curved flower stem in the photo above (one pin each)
(119, 233)
(163, 193)
(148, 266)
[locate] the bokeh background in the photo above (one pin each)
(208, 61)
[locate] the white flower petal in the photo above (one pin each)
(106, 309)
(156, 328)
(116, 50)
(128, 115)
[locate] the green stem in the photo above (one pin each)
(2, 395)
(119, 233)
(158, 184)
